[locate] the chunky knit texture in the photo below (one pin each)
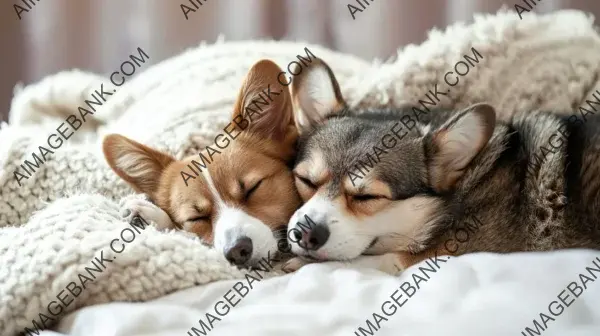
(63, 216)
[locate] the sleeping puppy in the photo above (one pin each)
(237, 201)
(407, 181)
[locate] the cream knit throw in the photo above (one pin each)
(548, 62)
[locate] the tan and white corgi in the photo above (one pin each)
(244, 194)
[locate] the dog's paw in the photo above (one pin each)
(388, 263)
(132, 207)
(294, 264)
(391, 264)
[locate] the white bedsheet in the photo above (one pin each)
(478, 294)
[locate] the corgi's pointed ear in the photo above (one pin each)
(139, 165)
(316, 95)
(451, 147)
(264, 104)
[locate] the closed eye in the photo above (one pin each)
(306, 182)
(366, 197)
(198, 219)
(253, 189)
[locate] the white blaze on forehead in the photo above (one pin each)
(218, 201)
(232, 223)
(314, 166)
(317, 208)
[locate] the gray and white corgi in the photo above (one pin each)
(404, 180)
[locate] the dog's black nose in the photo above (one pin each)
(240, 252)
(315, 238)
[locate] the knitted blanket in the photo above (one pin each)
(57, 227)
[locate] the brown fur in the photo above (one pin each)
(262, 152)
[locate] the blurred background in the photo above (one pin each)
(96, 35)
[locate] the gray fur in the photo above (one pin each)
(555, 205)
